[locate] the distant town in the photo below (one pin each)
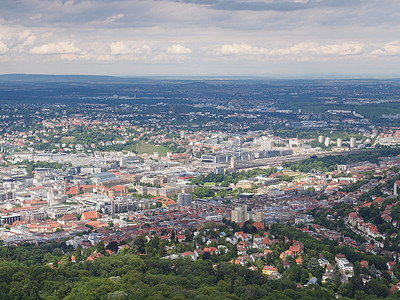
(311, 197)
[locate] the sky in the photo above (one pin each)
(200, 37)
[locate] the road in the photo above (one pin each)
(365, 236)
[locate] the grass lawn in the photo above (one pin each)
(147, 148)
(67, 139)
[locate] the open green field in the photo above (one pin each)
(147, 148)
(67, 139)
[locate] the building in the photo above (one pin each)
(345, 267)
(57, 211)
(216, 158)
(104, 178)
(271, 272)
(185, 199)
(9, 219)
(259, 216)
(33, 215)
(352, 142)
(327, 141)
(91, 215)
(180, 157)
(239, 214)
(219, 170)
(6, 195)
(266, 145)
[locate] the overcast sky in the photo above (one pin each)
(199, 37)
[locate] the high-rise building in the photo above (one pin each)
(339, 142)
(239, 141)
(123, 162)
(233, 165)
(266, 145)
(219, 170)
(183, 134)
(185, 199)
(321, 139)
(327, 141)
(352, 142)
(239, 214)
(259, 216)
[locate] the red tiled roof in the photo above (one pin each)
(118, 188)
(97, 224)
(34, 188)
(258, 225)
(89, 215)
(68, 217)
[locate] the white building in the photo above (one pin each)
(327, 141)
(345, 267)
(352, 142)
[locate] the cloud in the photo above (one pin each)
(303, 48)
(328, 50)
(3, 48)
(114, 18)
(56, 48)
(255, 5)
(122, 48)
(241, 49)
(27, 37)
(392, 48)
(178, 49)
(269, 5)
(224, 36)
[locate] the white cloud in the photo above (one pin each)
(179, 49)
(241, 49)
(122, 48)
(304, 48)
(114, 18)
(231, 36)
(339, 49)
(23, 39)
(56, 48)
(342, 49)
(3, 48)
(392, 48)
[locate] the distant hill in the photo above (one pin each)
(69, 78)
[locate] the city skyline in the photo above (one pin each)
(199, 37)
